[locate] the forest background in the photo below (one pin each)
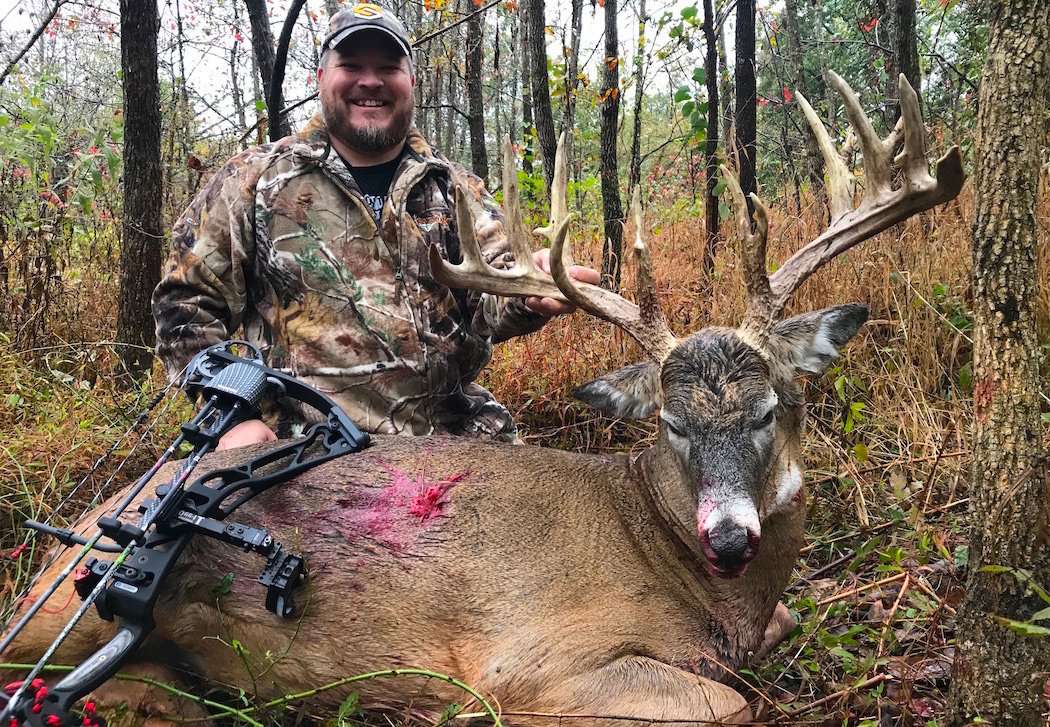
(652, 95)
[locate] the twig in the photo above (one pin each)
(450, 26)
(925, 588)
(893, 613)
(880, 526)
(861, 589)
(32, 41)
(838, 695)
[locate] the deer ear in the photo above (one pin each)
(810, 342)
(632, 392)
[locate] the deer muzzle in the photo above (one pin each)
(729, 537)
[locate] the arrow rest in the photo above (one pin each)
(127, 587)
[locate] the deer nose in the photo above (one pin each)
(730, 546)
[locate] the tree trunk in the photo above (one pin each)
(906, 48)
(635, 169)
(262, 50)
(814, 162)
(725, 84)
(141, 233)
(998, 674)
(711, 217)
(541, 96)
(527, 137)
(572, 83)
(746, 97)
(476, 103)
(612, 208)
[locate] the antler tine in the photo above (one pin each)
(839, 181)
(882, 206)
(760, 308)
(876, 157)
(519, 238)
(643, 322)
(559, 191)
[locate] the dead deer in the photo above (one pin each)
(558, 583)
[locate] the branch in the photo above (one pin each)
(32, 41)
(452, 106)
(450, 26)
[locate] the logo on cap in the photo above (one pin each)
(367, 10)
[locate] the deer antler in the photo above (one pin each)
(881, 207)
(644, 323)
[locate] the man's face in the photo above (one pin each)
(366, 87)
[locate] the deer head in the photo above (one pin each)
(729, 406)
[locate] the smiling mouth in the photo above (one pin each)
(368, 103)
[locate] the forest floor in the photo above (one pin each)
(877, 585)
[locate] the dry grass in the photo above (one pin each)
(885, 493)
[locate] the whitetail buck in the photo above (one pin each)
(555, 582)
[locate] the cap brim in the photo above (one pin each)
(337, 39)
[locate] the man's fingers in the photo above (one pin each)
(585, 275)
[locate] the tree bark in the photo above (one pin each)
(635, 168)
(262, 49)
(612, 207)
(572, 83)
(476, 103)
(711, 217)
(906, 48)
(541, 96)
(999, 674)
(746, 97)
(814, 162)
(527, 135)
(141, 233)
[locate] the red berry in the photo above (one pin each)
(54, 720)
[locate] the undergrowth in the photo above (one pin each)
(877, 584)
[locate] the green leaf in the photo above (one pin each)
(720, 187)
(682, 94)
(350, 706)
(996, 569)
(260, 106)
(4, 120)
(1043, 615)
(450, 713)
(224, 585)
(687, 108)
(676, 31)
(861, 453)
(723, 211)
(1023, 627)
(689, 12)
(962, 556)
(699, 75)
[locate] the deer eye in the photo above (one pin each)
(764, 422)
(673, 429)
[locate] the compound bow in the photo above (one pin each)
(127, 587)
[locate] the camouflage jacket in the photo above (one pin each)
(281, 245)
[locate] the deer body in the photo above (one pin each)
(550, 580)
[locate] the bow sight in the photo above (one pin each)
(126, 587)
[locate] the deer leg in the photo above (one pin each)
(780, 625)
(640, 688)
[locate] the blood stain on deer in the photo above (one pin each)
(393, 515)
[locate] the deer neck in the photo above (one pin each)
(739, 607)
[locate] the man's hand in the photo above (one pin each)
(550, 306)
(245, 433)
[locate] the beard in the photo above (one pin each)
(368, 138)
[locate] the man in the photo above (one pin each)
(316, 246)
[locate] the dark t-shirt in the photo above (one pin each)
(374, 182)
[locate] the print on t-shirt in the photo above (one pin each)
(374, 183)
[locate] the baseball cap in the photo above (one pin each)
(365, 16)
